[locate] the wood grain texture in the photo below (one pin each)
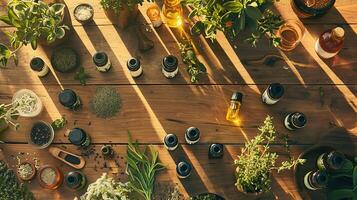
(177, 107)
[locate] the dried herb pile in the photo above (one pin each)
(105, 103)
(10, 188)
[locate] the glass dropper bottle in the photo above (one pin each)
(234, 107)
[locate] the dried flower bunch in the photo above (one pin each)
(256, 162)
(105, 103)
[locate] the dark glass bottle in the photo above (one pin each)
(79, 137)
(69, 99)
(331, 161)
(39, 66)
(183, 169)
(170, 66)
(311, 8)
(134, 67)
(316, 180)
(102, 61)
(171, 142)
(107, 151)
(273, 93)
(75, 180)
(215, 151)
(192, 135)
(330, 42)
(295, 121)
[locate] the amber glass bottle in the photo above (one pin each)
(330, 42)
(172, 11)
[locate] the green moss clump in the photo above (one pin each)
(65, 59)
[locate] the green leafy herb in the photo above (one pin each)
(105, 103)
(233, 17)
(10, 188)
(33, 21)
(118, 5)
(141, 168)
(82, 76)
(255, 163)
(322, 95)
(194, 66)
(59, 123)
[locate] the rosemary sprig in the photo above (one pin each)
(141, 168)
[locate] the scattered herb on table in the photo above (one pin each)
(105, 103)
(106, 188)
(10, 188)
(82, 76)
(167, 191)
(141, 168)
(322, 95)
(194, 66)
(207, 196)
(25, 170)
(256, 162)
(59, 123)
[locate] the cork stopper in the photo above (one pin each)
(338, 32)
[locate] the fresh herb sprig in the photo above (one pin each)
(142, 168)
(119, 5)
(194, 66)
(59, 123)
(82, 76)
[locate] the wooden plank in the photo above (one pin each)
(219, 58)
(342, 13)
(151, 110)
(209, 175)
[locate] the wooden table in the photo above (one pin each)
(154, 105)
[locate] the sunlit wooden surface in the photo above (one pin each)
(154, 105)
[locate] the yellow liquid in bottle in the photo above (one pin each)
(172, 11)
(233, 112)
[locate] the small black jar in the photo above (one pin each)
(76, 180)
(171, 142)
(170, 66)
(69, 99)
(192, 135)
(79, 137)
(183, 169)
(295, 121)
(102, 62)
(215, 151)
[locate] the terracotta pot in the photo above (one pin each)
(66, 20)
(124, 17)
(3, 125)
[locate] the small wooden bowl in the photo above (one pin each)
(30, 176)
(87, 20)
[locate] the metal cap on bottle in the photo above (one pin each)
(37, 64)
(133, 64)
(170, 63)
(319, 179)
(237, 96)
(100, 58)
(77, 136)
(171, 140)
(192, 134)
(215, 151)
(298, 120)
(276, 90)
(183, 169)
(335, 160)
(74, 179)
(67, 97)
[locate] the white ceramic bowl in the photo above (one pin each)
(39, 105)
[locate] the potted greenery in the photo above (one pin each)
(121, 12)
(234, 16)
(255, 163)
(35, 22)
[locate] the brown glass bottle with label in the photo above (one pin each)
(330, 42)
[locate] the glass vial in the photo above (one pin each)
(39, 67)
(172, 12)
(215, 151)
(153, 12)
(234, 107)
(183, 169)
(75, 180)
(330, 42)
(69, 99)
(331, 161)
(107, 151)
(134, 67)
(170, 66)
(102, 62)
(171, 142)
(295, 121)
(273, 93)
(316, 180)
(192, 135)
(79, 137)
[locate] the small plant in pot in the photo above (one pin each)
(235, 16)
(35, 21)
(121, 12)
(256, 163)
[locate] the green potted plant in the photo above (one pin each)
(234, 16)
(35, 22)
(255, 163)
(121, 12)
